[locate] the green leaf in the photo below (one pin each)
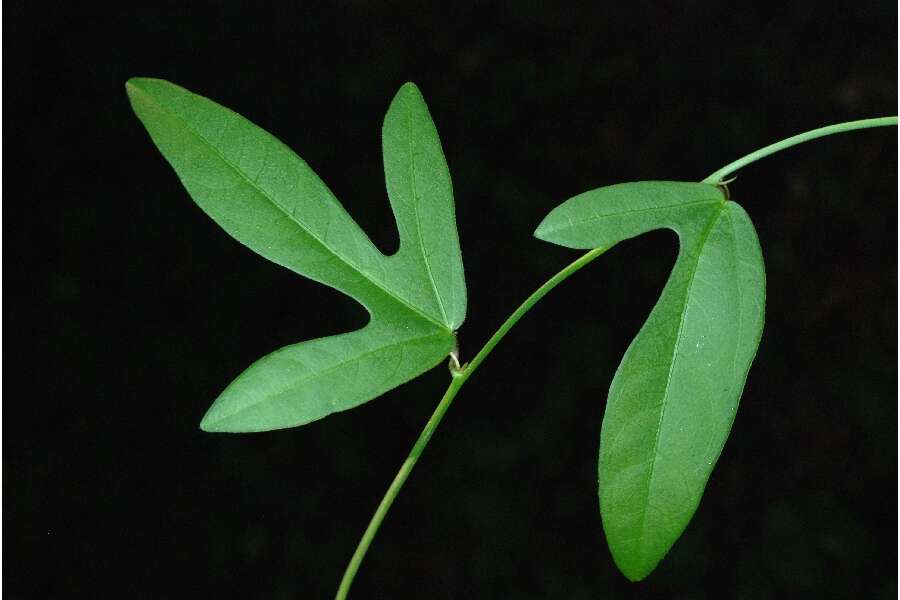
(674, 396)
(270, 200)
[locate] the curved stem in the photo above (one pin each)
(797, 139)
(459, 378)
(394, 489)
(461, 374)
(526, 306)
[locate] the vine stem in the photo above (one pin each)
(460, 375)
(806, 136)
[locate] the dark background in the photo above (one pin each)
(126, 310)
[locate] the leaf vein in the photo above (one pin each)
(426, 257)
(678, 339)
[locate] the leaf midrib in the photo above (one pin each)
(415, 198)
(600, 217)
(289, 214)
(678, 338)
(740, 295)
(323, 372)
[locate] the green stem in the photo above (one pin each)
(459, 378)
(460, 375)
(797, 139)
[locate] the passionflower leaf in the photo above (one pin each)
(270, 200)
(674, 396)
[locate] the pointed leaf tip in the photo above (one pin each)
(134, 84)
(542, 229)
(131, 87)
(205, 426)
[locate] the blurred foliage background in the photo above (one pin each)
(126, 310)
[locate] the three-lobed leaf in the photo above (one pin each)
(270, 200)
(674, 396)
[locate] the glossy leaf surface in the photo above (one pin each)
(674, 396)
(270, 200)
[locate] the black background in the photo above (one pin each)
(126, 310)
